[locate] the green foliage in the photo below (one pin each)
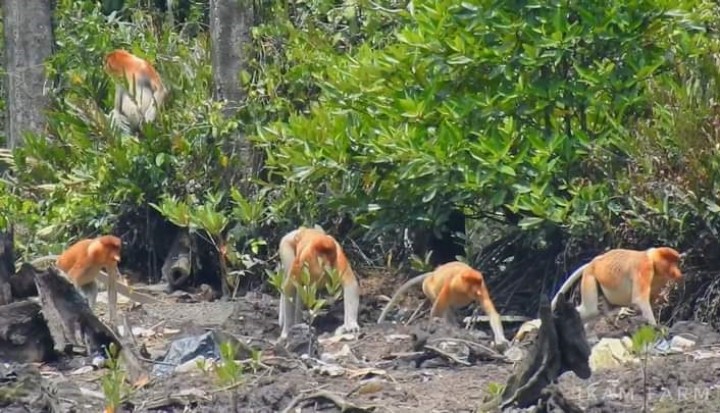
(598, 119)
(494, 107)
(228, 371)
(113, 382)
(644, 338)
(642, 341)
(87, 174)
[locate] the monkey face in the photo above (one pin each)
(112, 247)
(669, 263)
(669, 268)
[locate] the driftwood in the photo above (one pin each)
(560, 346)
(64, 309)
(22, 282)
(24, 336)
(177, 268)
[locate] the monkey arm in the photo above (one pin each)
(351, 292)
(642, 281)
(489, 307)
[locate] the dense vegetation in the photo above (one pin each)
(572, 124)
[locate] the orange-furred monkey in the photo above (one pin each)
(318, 250)
(626, 277)
(451, 286)
(146, 92)
(82, 263)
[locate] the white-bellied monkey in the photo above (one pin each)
(313, 248)
(626, 277)
(139, 90)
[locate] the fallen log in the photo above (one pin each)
(65, 309)
(177, 267)
(560, 346)
(22, 283)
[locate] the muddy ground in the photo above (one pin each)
(376, 370)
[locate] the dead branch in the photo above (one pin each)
(24, 336)
(340, 402)
(560, 346)
(137, 373)
(447, 355)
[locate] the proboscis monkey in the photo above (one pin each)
(319, 251)
(139, 90)
(626, 277)
(449, 287)
(83, 262)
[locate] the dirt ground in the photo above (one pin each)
(378, 370)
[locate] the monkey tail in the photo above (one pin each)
(41, 260)
(409, 283)
(567, 284)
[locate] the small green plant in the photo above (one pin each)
(206, 216)
(495, 389)
(308, 290)
(493, 394)
(255, 357)
(228, 372)
(113, 382)
(642, 341)
(275, 278)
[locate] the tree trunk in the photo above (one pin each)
(230, 24)
(560, 346)
(28, 43)
(7, 265)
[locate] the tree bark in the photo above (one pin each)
(7, 265)
(560, 346)
(28, 43)
(24, 336)
(230, 24)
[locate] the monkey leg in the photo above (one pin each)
(289, 309)
(588, 307)
(287, 252)
(441, 305)
(351, 301)
(89, 291)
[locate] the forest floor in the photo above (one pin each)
(376, 370)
